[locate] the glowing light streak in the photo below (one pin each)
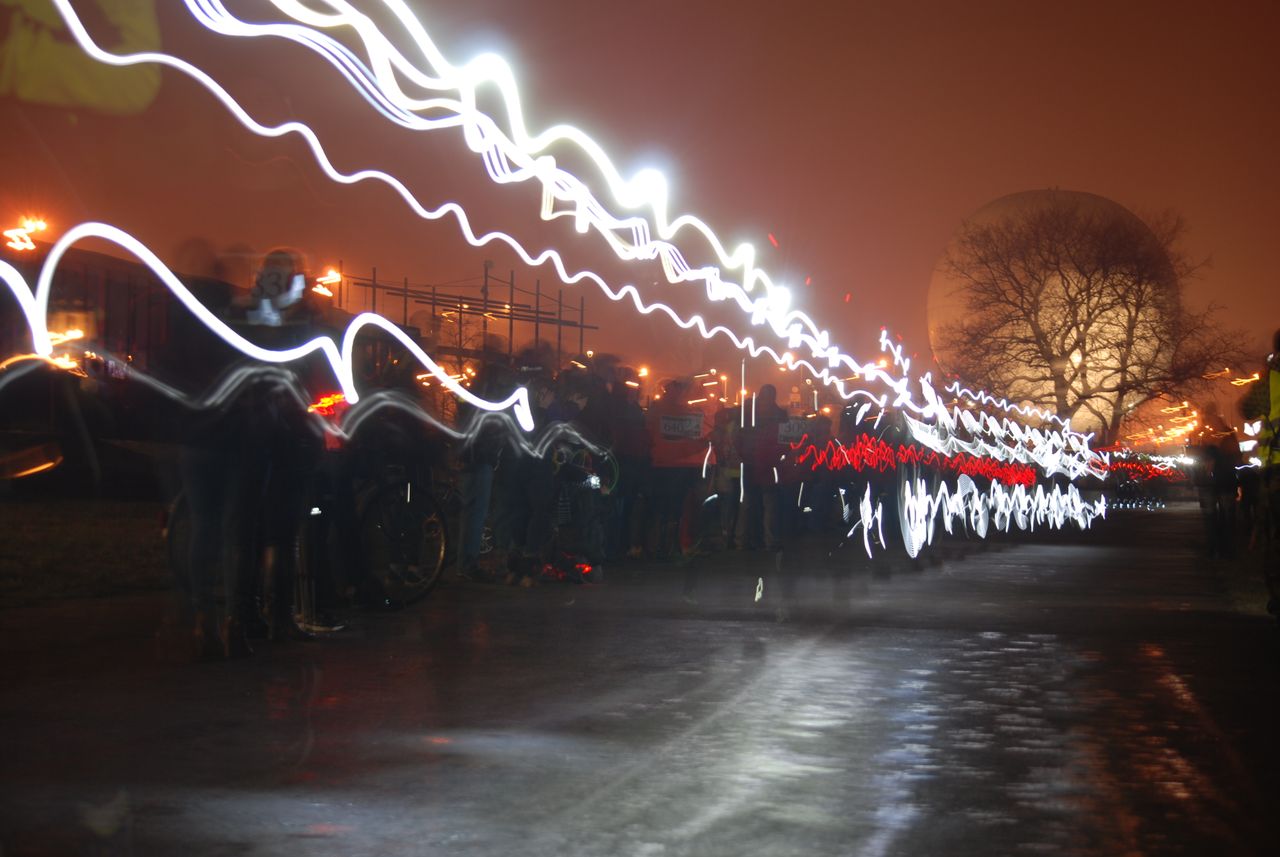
(920, 509)
(39, 468)
(869, 516)
(327, 405)
(1145, 471)
(870, 453)
(1240, 382)
(521, 157)
(58, 338)
(517, 158)
(34, 306)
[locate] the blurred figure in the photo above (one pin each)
(480, 453)
(760, 518)
(818, 483)
(1263, 405)
(1217, 486)
(628, 437)
(244, 468)
(525, 491)
(727, 482)
(679, 436)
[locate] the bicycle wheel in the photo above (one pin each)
(404, 538)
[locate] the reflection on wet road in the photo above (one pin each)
(1092, 696)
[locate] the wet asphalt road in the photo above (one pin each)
(1074, 695)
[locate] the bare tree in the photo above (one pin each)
(1073, 304)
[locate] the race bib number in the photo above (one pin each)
(681, 427)
(792, 430)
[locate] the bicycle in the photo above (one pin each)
(368, 533)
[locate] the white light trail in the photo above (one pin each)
(507, 160)
(512, 153)
(920, 509)
(35, 305)
(522, 156)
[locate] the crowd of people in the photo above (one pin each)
(607, 476)
(612, 471)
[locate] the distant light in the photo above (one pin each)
(330, 278)
(20, 236)
(772, 240)
(644, 372)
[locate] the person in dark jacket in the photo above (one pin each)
(481, 452)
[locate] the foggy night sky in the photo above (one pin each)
(860, 134)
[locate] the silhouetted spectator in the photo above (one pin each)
(760, 519)
(727, 482)
(629, 439)
(679, 436)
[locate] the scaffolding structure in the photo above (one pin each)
(497, 304)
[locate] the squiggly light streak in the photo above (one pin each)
(919, 509)
(520, 159)
(870, 453)
(647, 190)
(34, 306)
(510, 160)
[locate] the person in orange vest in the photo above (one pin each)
(679, 434)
